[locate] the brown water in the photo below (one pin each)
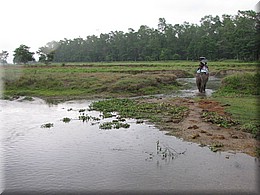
(80, 157)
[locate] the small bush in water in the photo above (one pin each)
(66, 120)
(113, 125)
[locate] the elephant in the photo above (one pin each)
(201, 81)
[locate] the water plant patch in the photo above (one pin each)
(66, 120)
(167, 152)
(129, 108)
(47, 125)
(115, 124)
(87, 118)
(216, 147)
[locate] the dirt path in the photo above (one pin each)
(194, 128)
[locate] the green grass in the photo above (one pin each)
(112, 81)
(241, 93)
(240, 84)
(244, 109)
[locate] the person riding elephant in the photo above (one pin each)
(202, 75)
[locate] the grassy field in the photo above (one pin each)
(241, 93)
(114, 79)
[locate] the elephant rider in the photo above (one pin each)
(203, 67)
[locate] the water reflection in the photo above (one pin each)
(78, 156)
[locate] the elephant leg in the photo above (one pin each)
(202, 87)
(205, 78)
(198, 82)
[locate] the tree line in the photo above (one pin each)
(225, 37)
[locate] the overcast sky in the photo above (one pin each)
(36, 22)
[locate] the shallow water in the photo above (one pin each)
(191, 87)
(80, 157)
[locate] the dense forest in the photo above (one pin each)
(217, 38)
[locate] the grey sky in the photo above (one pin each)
(36, 22)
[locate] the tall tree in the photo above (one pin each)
(46, 53)
(246, 23)
(23, 55)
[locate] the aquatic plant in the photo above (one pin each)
(27, 98)
(107, 114)
(215, 147)
(66, 120)
(47, 125)
(128, 108)
(82, 110)
(139, 121)
(119, 118)
(115, 124)
(106, 125)
(86, 117)
(167, 152)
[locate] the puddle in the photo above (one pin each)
(79, 157)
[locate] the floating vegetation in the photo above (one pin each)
(88, 118)
(27, 98)
(115, 124)
(167, 152)
(47, 125)
(82, 110)
(107, 125)
(139, 121)
(119, 118)
(85, 118)
(107, 115)
(215, 118)
(127, 108)
(216, 147)
(66, 120)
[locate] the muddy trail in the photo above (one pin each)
(207, 124)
